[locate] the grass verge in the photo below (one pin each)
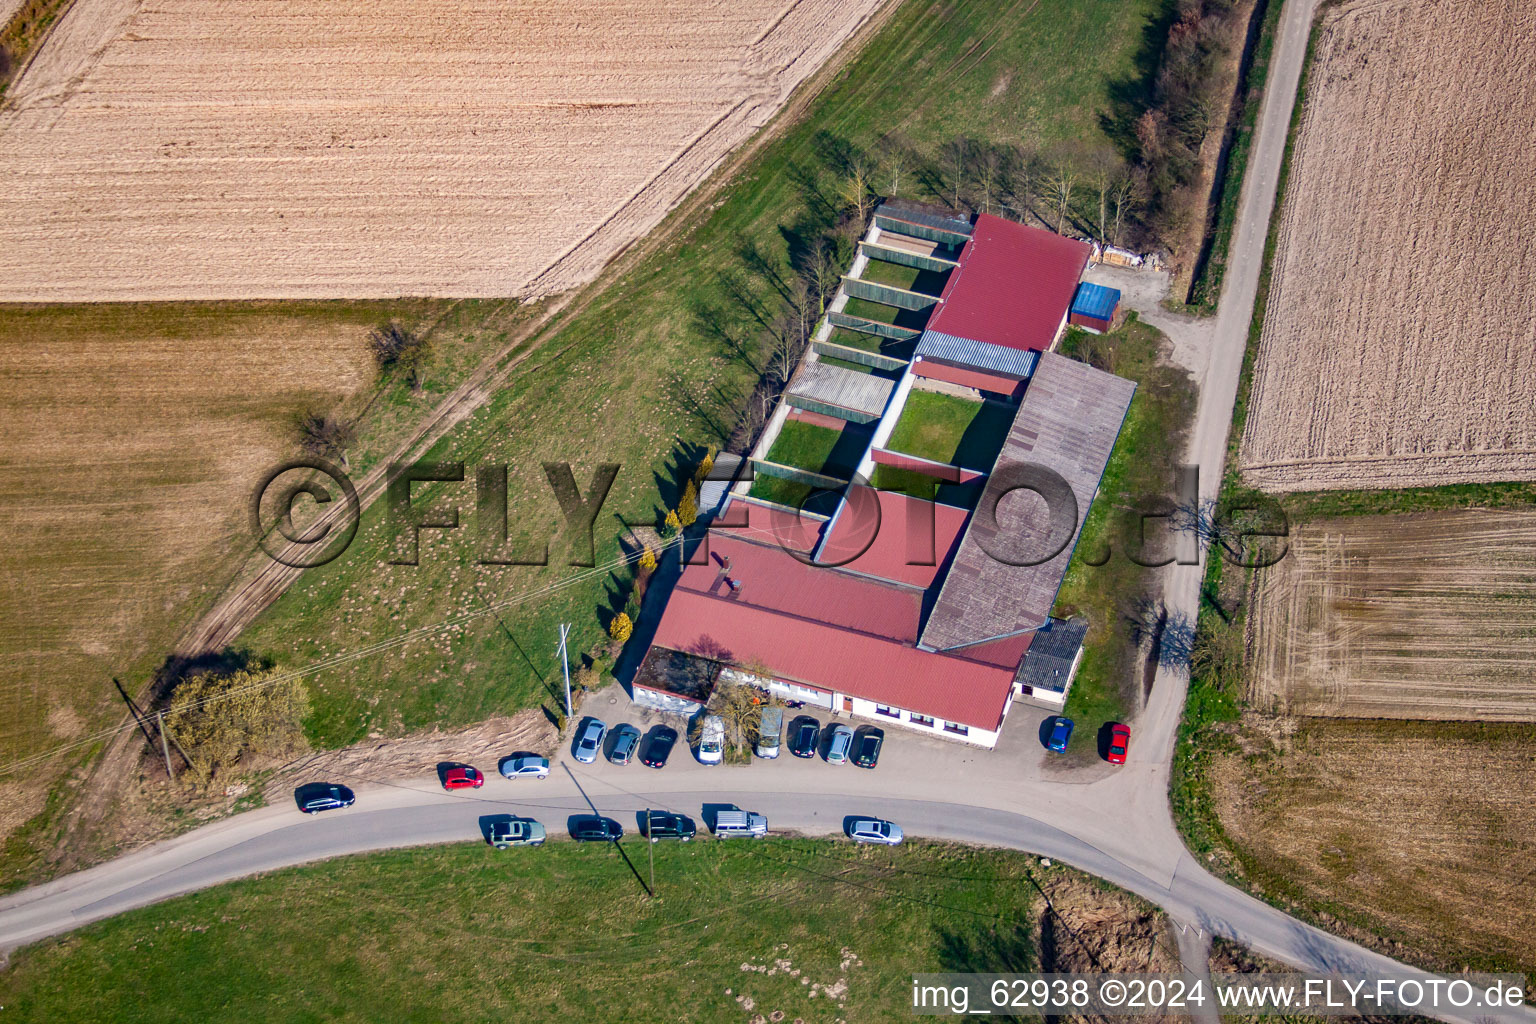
(465, 933)
(1102, 584)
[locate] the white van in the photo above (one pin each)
(740, 824)
(712, 740)
(769, 729)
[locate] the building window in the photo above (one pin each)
(957, 729)
(917, 719)
(881, 709)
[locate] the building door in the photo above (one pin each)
(847, 705)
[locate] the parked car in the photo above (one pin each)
(322, 796)
(842, 741)
(734, 824)
(866, 747)
(516, 832)
(525, 766)
(594, 829)
(874, 830)
(661, 825)
(663, 739)
(1061, 734)
(1119, 743)
(804, 734)
(770, 727)
(590, 740)
(712, 740)
(626, 738)
(463, 777)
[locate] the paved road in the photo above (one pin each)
(1113, 823)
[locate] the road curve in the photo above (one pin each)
(392, 817)
(1116, 825)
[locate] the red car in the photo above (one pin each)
(463, 777)
(1119, 740)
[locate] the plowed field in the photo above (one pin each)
(1399, 341)
(1422, 616)
(186, 149)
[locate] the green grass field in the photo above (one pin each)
(660, 362)
(1141, 470)
(952, 430)
(899, 276)
(466, 933)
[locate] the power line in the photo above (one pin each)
(369, 650)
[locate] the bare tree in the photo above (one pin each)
(857, 192)
(988, 172)
(897, 157)
(396, 345)
(1125, 193)
(1059, 187)
(957, 163)
(326, 435)
(820, 270)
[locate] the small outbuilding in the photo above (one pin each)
(1095, 307)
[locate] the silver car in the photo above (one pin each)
(516, 832)
(525, 766)
(590, 740)
(874, 830)
(842, 741)
(626, 740)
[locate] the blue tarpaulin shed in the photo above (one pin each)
(1096, 301)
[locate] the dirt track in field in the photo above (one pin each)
(203, 149)
(1422, 616)
(1399, 342)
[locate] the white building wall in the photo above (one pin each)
(867, 709)
(650, 698)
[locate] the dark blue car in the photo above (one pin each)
(1061, 734)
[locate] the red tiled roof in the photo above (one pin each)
(769, 524)
(828, 629)
(909, 533)
(1013, 286)
(771, 578)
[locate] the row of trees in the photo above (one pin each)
(1092, 191)
(1188, 101)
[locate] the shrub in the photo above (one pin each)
(647, 561)
(670, 525)
(219, 719)
(688, 507)
(621, 627)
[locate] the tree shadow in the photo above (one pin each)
(1133, 94)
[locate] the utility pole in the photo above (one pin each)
(165, 748)
(565, 667)
(651, 848)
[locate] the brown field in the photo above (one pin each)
(202, 149)
(132, 438)
(1419, 833)
(1431, 615)
(1399, 341)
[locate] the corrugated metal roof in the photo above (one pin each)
(1095, 300)
(1048, 664)
(922, 213)
(840, 388)
(1067, 423)
(978, 355)
(718, 483)
(1013, 285)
